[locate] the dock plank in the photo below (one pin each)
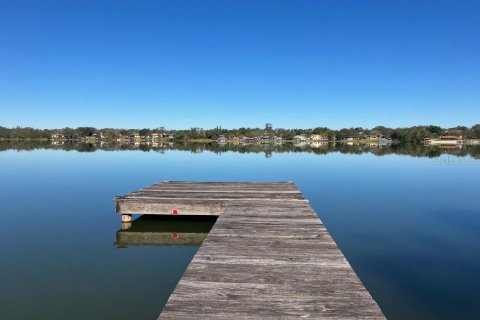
(213, 195)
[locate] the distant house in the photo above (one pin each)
(318, 137)
(221, 139)
(119, 138)
(300, 138)
(155, 136)
(158, 135)
(135, 137)
(445, 140)
(167, 135)
(58, 136)
(265, 139)
(247, 140)
(451, 138)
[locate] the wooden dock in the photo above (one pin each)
(268, 256)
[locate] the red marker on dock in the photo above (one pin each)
(175, 211)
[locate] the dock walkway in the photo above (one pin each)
(268, 256)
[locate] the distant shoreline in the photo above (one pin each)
(379, 134)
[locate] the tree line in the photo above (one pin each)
(410, 134)
(410, 149)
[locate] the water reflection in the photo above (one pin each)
(149, 230)
(320, 148)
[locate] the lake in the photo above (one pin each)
(407, 218)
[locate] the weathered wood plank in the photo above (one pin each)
(224, 187)
(166, 206)
(218, 189)
(235, 183)
(212, 195)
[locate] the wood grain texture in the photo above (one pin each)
(266, 258)
(166, 206)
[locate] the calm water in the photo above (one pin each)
(407, 219)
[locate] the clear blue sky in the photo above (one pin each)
(183, 64)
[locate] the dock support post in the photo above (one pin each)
(126, 218)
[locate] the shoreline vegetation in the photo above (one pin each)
(379, 134)
(268, 149)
